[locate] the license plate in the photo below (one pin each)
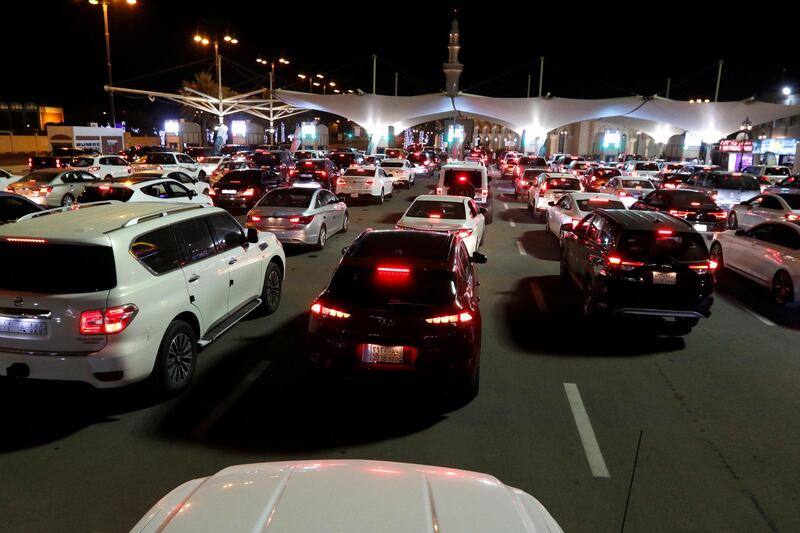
(228, 191)
(700, 227)
(375, 353)
(664, 278)
(353, 195)
(306, 175)
(35, 328)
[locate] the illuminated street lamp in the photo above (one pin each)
(108, 53)
(218, 61)
(786, 91)
(282, 61)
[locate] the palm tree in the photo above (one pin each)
(204, 83)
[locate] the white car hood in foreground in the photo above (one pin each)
(346, 497)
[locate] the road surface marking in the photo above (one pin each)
(595, 457)
(538, 297)
(521, 248)
(512, 223)
(766, 321)
(223, 407)
(505, 205)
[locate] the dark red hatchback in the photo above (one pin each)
(402, 302)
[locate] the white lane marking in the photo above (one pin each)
(538, 297)
(521, 248)
(222, 408)
(512, 223)
(595, 457)
(505, 205)
(766, 321)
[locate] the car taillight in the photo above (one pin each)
(249, 192)
(320, 310)
(322, 173)
(58, 163)
(104, 187)
(665, 232)
(212, 192)
(617, 261)
(576, 222)
(439, 190)
(107, 321)
(45, 190)
(253, 218)
(93, 169)
(293, 172)
(460, 318)
(719, 215)
(464, 233)
(702, 268)
(679, 214)
(393, 272)
(341, 181)
(30, 163)
(791, 217)
(301, 220)
(129, 169)
(714, 196)
(159, 167)
(622, 194)
(484, 193)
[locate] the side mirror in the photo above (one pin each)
(192, 194)
(478, 258)
(252, 235)
(739, 233)
(551, 204)
(345, 249)
(234, 239)
(482, 210)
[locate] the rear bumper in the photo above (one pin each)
(628, 298)
(234, 203)
(297, 236)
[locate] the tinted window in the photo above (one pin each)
(366, 287)
(309, 165)
(564, 184)
(455, 177)
(100, 194)
(636, 184)
(177, 190)
(82, 162)
(590, 204)
(418, 159)
(792, 199)
(777, 171)
(157, 190)
(159, 159)
(299, 198)
(12, 208)
(646, 166)
(769, 202)
(391, 164)
(195, 237)
(744, 182)
(792, 181)
(396, 246)
(427, 209)
(157, 250)
(649, 246)
(531, 173)
(227, 232)
(84, 268)
(690, 199)
(785, 236)
(248, 177)
(266, 160)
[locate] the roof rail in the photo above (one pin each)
(153, 216)
(73, 207)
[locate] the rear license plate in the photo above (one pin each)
(700, 227)
(15, 326)
(664, 278)
(353, 195)
(306, 175)
(375, 353)
(228, 191)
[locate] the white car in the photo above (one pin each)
(643, 169)
(354, 496)
(211, 163)
(452, 214)
(763, 208)
(628, 189)
(549, 187)
(142, 189)
(768, 253)
(170, 161)
(105, 167)
(197, 185)
(146, 284)
(364, 182)
(401, 171)
(7, 178)
(573, 206)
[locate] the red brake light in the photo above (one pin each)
(679, 214)
(576, 222)
(340, 181)
(254, 218)
(293, 172)
(708, 265)
(614, 260)
(26, 240)
(394, 271)
(720, 215)
(322, 173)
(462, 179)
(45, 190)
(105, 187)
(301, 220)
(309, 163)
(791, 217)
(249, 192)
(439, 190)
(107, 321)
(434, 215)
(665, 232)
(319, 309)
(598, 200)
(464, 233)
(93, 169)
(451, 319)
(211, 192)
(622, 194)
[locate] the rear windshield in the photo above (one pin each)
(745, 183)
(564, 184)
(235, 165)
(777, 171)
(343, 159)
(418, 158)
(637, 184)
(649, 246)
(159, 159)
(792, 199)
(392, 165)
(646, 166)
(455, 177)
(288, 198)
(83, 268)
(606, 172)
(590, 204)
(81, 162)
(40, 177)
(580, 165)
(309, 165)
(691, 199)
(241, 176)
(533, 172)
(303, 155)
(103, 193)
(428, 209)
(535, 161)
(266, 159)
(397, 246)
(361, 172)
(366, 287)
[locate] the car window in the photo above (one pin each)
(12, 208)
(195, 237)
(785, 236)
(157, 250)
(649, 246)
(770, 202)
(157, 190)
(437, 209)
(180, 176)
(227, 233)
(159, 159)
(473, 208)
(85, 176)
(320, 201)
(177, 190)
(184, 158)
(761, 232)
(562, 203)
(737, 182)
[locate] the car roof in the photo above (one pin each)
(439, 198)
(408, 246)
(588, 195)
(629, 219)
(393, 160)
(559, 175)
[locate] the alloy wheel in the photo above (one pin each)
(273, 292)
(179, 358)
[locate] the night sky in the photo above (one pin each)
(54, 52)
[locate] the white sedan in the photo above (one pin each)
(763, 208)
(452, 214)
(628, 189)
(211, 163)
(198, 186)
(142, 189)
(356, 496)
(364, 182)
(401, 171)
(573, 206)
(768, 254)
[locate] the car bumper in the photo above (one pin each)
(293, 236)
(625, 297)
(234, 203)
(347, 193)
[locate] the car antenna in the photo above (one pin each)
(630, 486)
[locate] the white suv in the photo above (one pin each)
(467, 179)
(170, 161)
(138, 288)
(104, 167)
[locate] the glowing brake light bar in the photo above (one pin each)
(598, 200)
(318, 309)
(26, 240)
(791, 217)
(708, 265)
(676, 213)
(460, 318)
(665, 232)
(249, 192)
(394, 270)
(434, 215)
(464, 233)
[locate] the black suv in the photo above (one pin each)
(278, 161)
(639, 263)
(694, 207)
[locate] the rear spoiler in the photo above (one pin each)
(73, 207)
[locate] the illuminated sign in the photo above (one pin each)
(691, 140)
(455, 132)
(726, 145)
(776, 146)
(239, 128)
(172, 127)
(611, 140)
(309, 129)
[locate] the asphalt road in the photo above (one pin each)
(560, 410)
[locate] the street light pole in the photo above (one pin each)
(719, 78)
(108, 64)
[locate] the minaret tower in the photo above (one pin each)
(453, 69)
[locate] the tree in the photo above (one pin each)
(206, 84)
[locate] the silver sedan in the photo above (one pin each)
(300, 215)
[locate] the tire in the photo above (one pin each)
(716, 255)
(733, 221)
(381, 198)
(67, 200)
(782, 288)
(487, 218)
(345, 222)
(201, 175)
(108, 177)
(271, 290)
(176, 359)
(322, 238)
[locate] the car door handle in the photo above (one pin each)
(194, 278)
(232, 261)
